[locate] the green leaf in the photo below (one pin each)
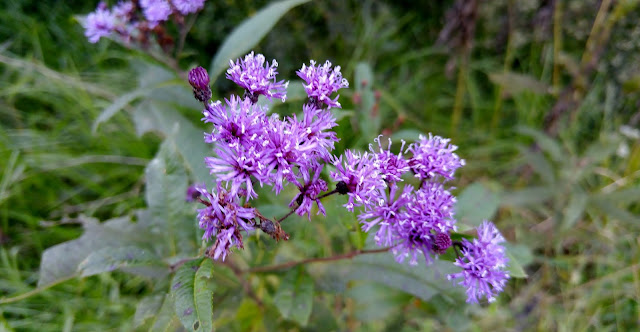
(409, 135)
(164, 318)
(61, 261)
(294, 298)
(540, 165)
(575, 208)
(527, 196)
(248, 34)
(171, 218)
(519, 256)
(193, 294)
(147, 307)
(118, 104)
(475, 204)
(160, 118)
(546, 143)
(368, 111)
(110, 258)
(514, 83)
(419, 280)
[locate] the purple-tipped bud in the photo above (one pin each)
(199, 80)
(192, 193)
(441, 243)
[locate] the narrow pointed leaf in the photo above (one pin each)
(193, 294)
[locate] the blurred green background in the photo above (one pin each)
(541, 97)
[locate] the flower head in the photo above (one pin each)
(310, 189)
(359, 177)
(429, 212)
(155, 11)
(186, 7)
(386, 213)
(223, 217)
(317, 123)
(99, 24)
(257, 77)
(236, 122)
(391, 166)
(483, 264)
(434, 156)
(237, 165)
(322, 81)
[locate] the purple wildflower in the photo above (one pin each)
(237, 122)
(237, 164)
(429, 212)
(223, 217)
(322, 81)
(434, 156)
(186, 7)
(391, 166)
(483, 264)
(156, 10)
(123, 11)
(199, 80)
(318, 123)
(359, 177)
(99, 24)
(386, 213)
(286, 145)
(257, 77)
(310, 189)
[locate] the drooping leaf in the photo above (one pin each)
(421, 281)
(540, 165)
(118, 104)
(519, 257)
(61, 261)
(160, 118)
(171, 218)
(294, 298)
(148, 307)
(546, 143)
(248, 34)
(193, 294)
(111, 258)
(376, 302)
(475, 204)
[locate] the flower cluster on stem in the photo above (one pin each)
(403, 196)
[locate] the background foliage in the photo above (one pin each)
(540, 96)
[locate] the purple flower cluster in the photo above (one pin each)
(483, 264)
(252, 148)
(225, 218)
(129, 19)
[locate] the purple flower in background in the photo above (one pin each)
(223, 217)
(359, 177)
(429, 212)
(155, 11)
(434, 156)
(199, 80)
(186, 7)
(483, 264)
(310, 189)
(391, 166)
(123, 11)
(237, 122)
(322, 81)
(99, 24)
(257, 77)
(386, 213)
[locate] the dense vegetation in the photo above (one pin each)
(540, 96)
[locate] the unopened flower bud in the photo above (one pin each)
(199, 80)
